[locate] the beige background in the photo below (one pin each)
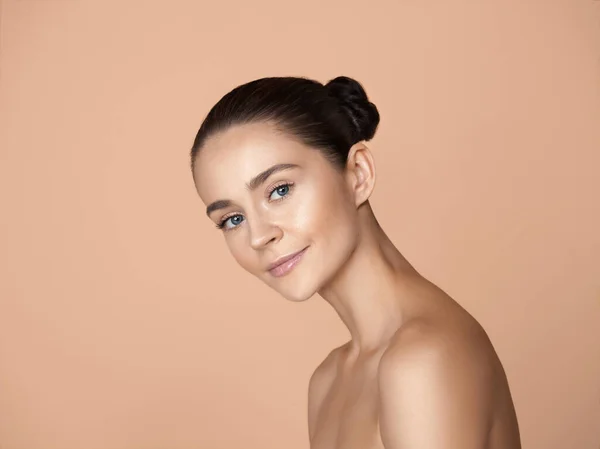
(124, 321)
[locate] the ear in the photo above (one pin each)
(360, 172)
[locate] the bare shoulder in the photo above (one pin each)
(323, 372)
(446, 333)
(436, 375)
(319, 384)
(461, 347)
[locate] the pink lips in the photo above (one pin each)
(287, 266)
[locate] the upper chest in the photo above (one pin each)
(348, 417)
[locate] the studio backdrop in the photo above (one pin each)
(124, 321)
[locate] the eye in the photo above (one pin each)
(282, 190)
(235, 219)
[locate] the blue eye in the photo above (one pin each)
(282, 190)
(221, 225)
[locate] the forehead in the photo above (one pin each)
(231, 158)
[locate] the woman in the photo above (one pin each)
(282, 165)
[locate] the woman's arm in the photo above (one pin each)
(435, 392)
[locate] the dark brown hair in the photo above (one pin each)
(331, 117)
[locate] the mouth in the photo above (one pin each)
(286, 264)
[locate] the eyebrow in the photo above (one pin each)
(254, 183)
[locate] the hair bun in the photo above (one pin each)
(356, 105)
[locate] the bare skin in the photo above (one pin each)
(419, 372)
(349, 394)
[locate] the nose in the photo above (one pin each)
(262, 232)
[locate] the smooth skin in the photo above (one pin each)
(419, 372)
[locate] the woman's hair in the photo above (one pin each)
(330, 117)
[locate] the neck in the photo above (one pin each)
(367, 291)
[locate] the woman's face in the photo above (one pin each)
(306, 206)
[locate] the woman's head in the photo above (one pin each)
(313, 133)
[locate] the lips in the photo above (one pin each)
(283, 259)
(284, 265)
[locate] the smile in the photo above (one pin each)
(285, 267)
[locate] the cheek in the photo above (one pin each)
(330, 225)
(329, 218)
(242, 253)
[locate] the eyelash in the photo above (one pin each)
(221, 224)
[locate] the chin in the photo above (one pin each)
(297, 296)
(303, 282)
(295, 293)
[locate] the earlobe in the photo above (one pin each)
(361, 166)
